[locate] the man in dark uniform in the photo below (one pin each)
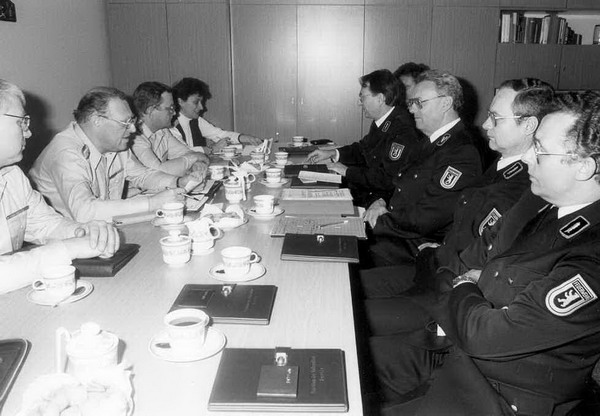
(523, 314)
(421, 206)
(513, 117)
(369, 165)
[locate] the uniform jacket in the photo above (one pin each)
(374, 161)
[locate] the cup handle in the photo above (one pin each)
(251, 178)
(215, 232)
(160, 213)
(254, 258)
(38, 285)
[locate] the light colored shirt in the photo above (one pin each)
(83, 184)
(162, 151)
(505, 161)
(209, 131)
(25, 216)
(439, 132)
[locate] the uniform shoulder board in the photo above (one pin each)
(85, 151)
(569, 296)
(396, 150)
(513, 170)
(443, 139)
(574, 227)
(489, 220)
(450, 177)
(386, 126)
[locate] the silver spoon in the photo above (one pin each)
(78, 291)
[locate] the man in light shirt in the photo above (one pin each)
(84, 169)
(190, 96)
(25, 216)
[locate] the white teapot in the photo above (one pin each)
(87, 350)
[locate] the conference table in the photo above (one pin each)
(313, 309)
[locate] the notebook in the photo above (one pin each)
(293, 170)
(353, 226)
(101, 267)
(320, 247)
(12, 356)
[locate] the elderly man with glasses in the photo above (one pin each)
(420, 209)
(25, 216)
(155, 146)
(83, 170)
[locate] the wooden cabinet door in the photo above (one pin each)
(534, 5)
(199, 44)
(139, 50)
(527, 60)
(579, 67)
(583, 4)
(464, 43)
(330, 56)
(265, 62)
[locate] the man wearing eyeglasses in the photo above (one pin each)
(25, 216)
(421, 207)
(84, 169)
(155, 146)
(522, 313)
(370, 165)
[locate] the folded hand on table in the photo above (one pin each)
(337, 167)
(94, 238)
(319, 155)
(375, 210)
(250, 140)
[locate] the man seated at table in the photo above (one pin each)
(392, 143)
(421, 207)
(155, 146)
(522, 313)
(191, 95)
(83, 170)
(408, 73)
(513, 118)
(25, 216)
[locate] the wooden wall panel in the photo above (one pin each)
(534, 5)
(471, 3)
(583, 4)
(138, 44)
(575, 70)
(265, 72)
(464, 43)
(526, 60)
(330, 56)
(199, 45)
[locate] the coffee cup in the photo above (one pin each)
(204, 232)
(281, 158)
(229, 151)
(176, 249)
(171, 212)
(263, 204)
(257, 157)
(233, 191)
(217, 172)
(186, 329)
(57, 282)
(273, 175)
(237, 260)
(298, 141)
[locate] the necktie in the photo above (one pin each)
(197, 136)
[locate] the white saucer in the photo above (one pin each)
(279, 184)
(256, 271)
(275, 165)
(214, 343)
(159, 221)
(230, 227)
(202, 252)
(276, 211)
(39, 296)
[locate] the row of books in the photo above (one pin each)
(516, 27)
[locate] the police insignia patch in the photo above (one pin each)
(489, 220)
(574, 227)
(396, 151)
(450, 177)
(513, 170)
(569, 296)
(386, 126)
(443, 140)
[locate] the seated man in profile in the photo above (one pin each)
(155, 146)
(421, 207)
(24, 216)
(190, 96)
(392, 143)
(408, 74)
(83, 170)
(521, 319)
(513, 118)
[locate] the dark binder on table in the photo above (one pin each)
(240, 383)
(293, 170)
(101, 267)
(298, 150)
(297, 183)
(230, 303)
(12, 356)
(320, 247)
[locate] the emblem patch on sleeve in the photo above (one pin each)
(489, 220)
(569, 296)
(396, 151)
(450, 177)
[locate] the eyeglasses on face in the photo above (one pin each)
(170, 109)
(494, 118)
(127, 124)
(419, 102)
(23, 121)
(538, 152)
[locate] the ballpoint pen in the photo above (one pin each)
(331, 224)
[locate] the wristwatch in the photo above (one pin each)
(463, 278)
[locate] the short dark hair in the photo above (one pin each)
(148, 94)
(383, 82)
(410, 69)
(190, 86)
(533, 99)
(96, 101)
(446, 84)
